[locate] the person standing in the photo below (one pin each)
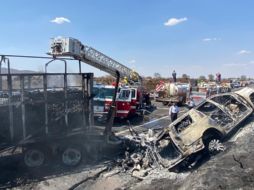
(218, 78)
(174, 76)
(173, 111)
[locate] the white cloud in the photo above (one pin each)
(60, 20)
(239, 64)
(132, 61)
(243, 52)
(207, 39)
(210, 39)
(175, 21)
(235, 64)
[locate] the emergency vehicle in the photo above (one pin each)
(103, 97)
(128, 100)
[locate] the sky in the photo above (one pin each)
(193, 37)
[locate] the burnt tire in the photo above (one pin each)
(213, 146)
(34, 157)
(72, 156)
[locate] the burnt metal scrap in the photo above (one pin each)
(141, 154)
(201, 130)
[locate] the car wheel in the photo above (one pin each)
(34, 157)
(72, 156)
(214, 146)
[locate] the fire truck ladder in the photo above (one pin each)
(73, 48)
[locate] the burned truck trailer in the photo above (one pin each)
(46, 114)
(50, 119)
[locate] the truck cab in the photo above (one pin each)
(102, 99)
(128, 101)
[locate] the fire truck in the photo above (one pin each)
(128, 101)
(103, 96)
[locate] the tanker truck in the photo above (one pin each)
(169, 93)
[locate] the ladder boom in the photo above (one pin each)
(73, 48)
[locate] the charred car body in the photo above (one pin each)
(201, 128)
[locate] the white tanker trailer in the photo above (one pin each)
(173, 93)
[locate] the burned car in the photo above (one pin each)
(201, 128)
(248, 94)
(204, 127)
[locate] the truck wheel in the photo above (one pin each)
(72, 156)
(34, 157)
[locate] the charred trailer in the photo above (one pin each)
(46, 114)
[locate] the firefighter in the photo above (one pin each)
(147, 99)
(125, 81)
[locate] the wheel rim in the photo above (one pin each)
(34, 158)
(215, 146)
(71, 156)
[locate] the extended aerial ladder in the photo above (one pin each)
(70, 47)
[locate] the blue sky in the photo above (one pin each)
(195, 37)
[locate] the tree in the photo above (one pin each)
(243, 77)
(157, 75)
(185, 76)
(210, 77)
(202, 77)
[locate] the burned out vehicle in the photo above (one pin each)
(204, 127)
(201, 129)
(248, 94)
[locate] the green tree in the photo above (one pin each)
(202, 77)
(243, 77)
(157, 75)
(211, 77)
(185, 76)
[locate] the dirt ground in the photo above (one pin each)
(231, 169)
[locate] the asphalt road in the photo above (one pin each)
(156, 119)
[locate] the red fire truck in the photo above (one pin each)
(103, 97)
(128, 101)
